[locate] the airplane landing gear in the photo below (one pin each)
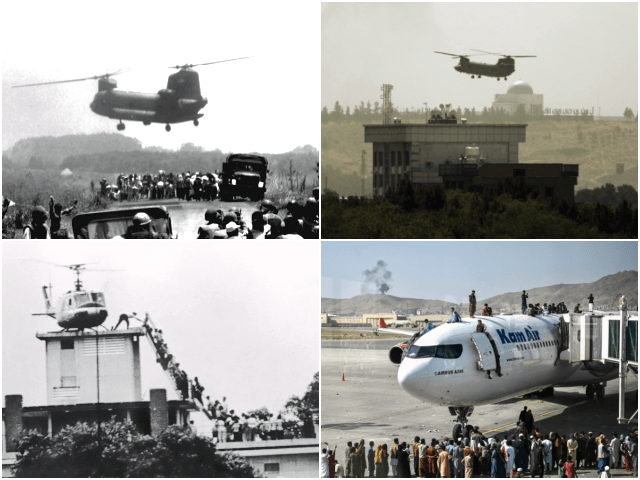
(167, 127)
(146, 124)
(120, 126)
(461, 429)
(196, 123)
(600, 392)
(591, 390)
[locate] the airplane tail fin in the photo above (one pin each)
(383, 324)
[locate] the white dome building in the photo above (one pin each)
(520, 93)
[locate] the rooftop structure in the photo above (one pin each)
(520, 93)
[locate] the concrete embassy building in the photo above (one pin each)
(96, 377)
(414, 151)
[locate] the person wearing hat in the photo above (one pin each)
(606, 473)
(141, 229)
(233, 231)
(472, 303)
(455, 316)
(37, 229)
(267, 206)
(275, 222)
(290, 230)
(207, 230)
(257, 226)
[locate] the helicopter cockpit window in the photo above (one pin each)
(97, 297)
(81, 298)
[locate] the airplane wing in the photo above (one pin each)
(408, 333)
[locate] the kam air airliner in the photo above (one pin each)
(454, 366)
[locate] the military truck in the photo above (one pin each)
(243, 175)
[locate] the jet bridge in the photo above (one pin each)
(604, 337)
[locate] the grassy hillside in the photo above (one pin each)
(596, 146)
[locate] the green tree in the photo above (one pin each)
(121, 451)
(324, 116)
(628, 113)
(337, 113)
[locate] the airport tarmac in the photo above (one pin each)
(369, 404)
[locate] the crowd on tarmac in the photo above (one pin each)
(528, 452)
(184, 186)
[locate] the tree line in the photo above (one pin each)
(510, 211)
(373, 113)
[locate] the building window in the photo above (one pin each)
(548, 191)
(272, 470)
(393, 159)
(519, 172)
(66, 344)
(461, 185)
(406, 158)
(393, 181)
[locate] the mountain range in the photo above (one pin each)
(606, 291)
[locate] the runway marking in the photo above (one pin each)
(377, 418)
(541, 415)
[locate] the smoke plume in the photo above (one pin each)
(379, 276)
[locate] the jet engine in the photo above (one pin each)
(395, 355)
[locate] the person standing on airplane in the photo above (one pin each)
(472, 303)
(524, 301)
(590, 298)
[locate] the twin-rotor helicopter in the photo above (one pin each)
(78, 308)
(502, 69)
(180, 102)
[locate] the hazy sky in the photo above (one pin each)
(585, 51)
(243, 320)
(450, 270)
(266, 104)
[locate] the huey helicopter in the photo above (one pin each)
(78, 308)
(505, 66)
(180, 102)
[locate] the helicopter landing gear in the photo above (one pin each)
(498, 78)
(167, 127)
(120, 126)
(196, 123)
(505, 79)
(479, 76)
(473, 76)
(146, 124)
(461, 429)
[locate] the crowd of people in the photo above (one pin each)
(527, 452)
(184, 186)
(228, 425)
(300, 222)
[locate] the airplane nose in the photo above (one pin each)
(413, 377)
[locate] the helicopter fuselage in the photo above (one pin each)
(81, 309)
(164, 107)
(502, 69)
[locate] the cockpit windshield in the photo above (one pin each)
(439, 351)
(88, 297)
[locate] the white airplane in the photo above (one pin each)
(454, 366)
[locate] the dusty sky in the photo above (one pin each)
(450, 270)
(243, 320)
(587, 53)
(266, 104)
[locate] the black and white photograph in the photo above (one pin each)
(196, 117)
(475, 120)
(152, 360)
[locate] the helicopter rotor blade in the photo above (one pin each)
(490, 53)
(523, 56)
(191, 65)
(95, 77)
(462, 56)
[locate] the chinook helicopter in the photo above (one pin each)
(502, 69)
(78, 308)
(180, 102)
